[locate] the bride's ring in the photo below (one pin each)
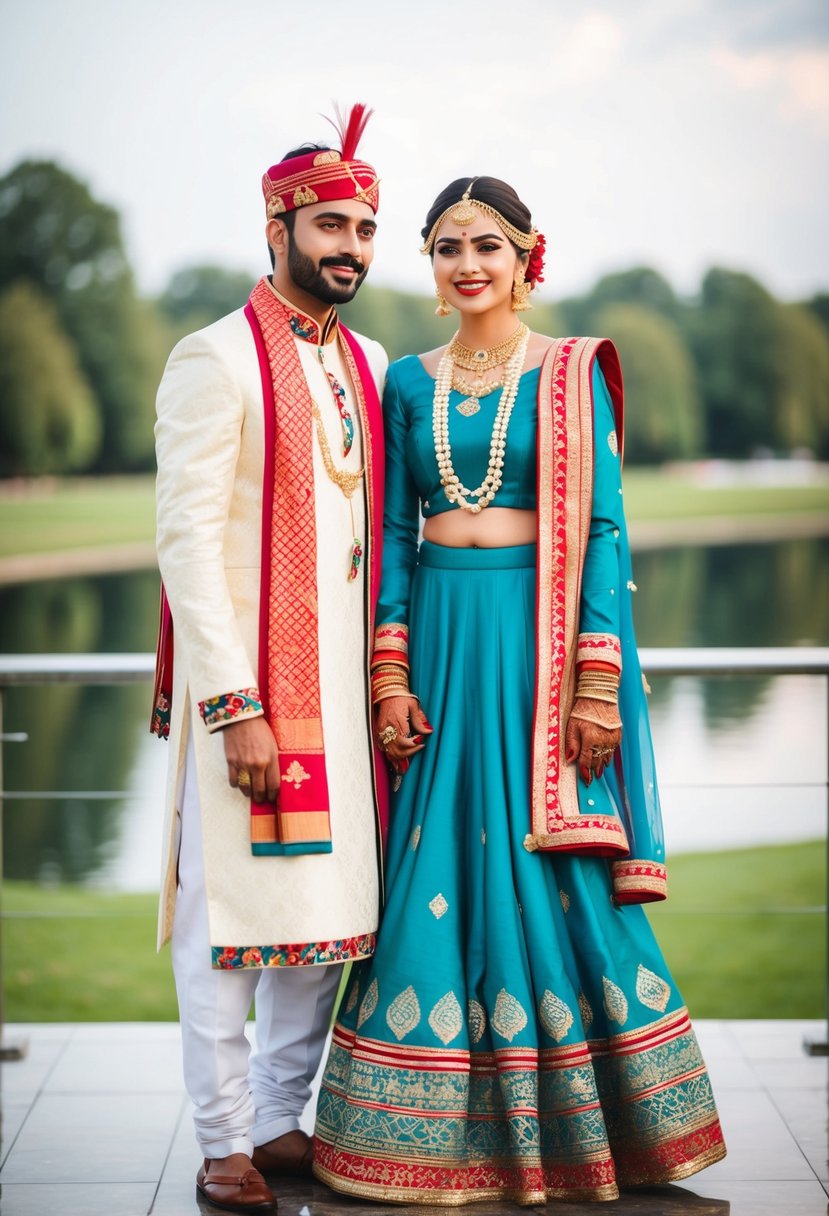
(387, 735)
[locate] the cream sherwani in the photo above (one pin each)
(210, 455)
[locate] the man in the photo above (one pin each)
(269, 445)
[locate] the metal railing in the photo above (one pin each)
(114, 669)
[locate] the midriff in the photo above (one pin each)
(492, 528)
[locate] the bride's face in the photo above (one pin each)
(475, 265)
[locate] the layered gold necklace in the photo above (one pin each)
(473, 391)
(347, 482)
(485, 359)
(453, 488)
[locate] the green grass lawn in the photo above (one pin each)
(744, 933)
(667, 495)
(52, 515)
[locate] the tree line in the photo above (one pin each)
(731, 372)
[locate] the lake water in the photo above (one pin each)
(741, 761)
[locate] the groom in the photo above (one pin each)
(270, 480)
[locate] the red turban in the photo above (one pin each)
(323, 177)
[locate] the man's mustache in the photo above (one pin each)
(351, 263)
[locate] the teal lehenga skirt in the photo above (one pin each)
(516, 1035)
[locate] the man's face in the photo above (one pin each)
(331, 249)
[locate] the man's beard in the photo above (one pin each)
(307, 274)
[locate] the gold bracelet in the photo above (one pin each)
(603, 686)
(391, 692)
(389, 689)
(599, 677)
(597, 721)
(388, 665)
(389, 680)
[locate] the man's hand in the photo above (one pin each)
(251, 748)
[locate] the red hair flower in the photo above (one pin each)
(535, 264)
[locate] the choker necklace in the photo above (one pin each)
(453, 488)
(488, 357)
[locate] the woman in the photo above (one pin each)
(517, 1034)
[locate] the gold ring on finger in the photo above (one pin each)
(387, 735)
(243, 779)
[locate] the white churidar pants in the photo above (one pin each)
(239, 1102)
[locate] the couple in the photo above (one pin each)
(513, 1031)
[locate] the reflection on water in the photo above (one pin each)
(710, 734)
(81, 738)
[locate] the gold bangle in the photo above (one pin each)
(385, 693)
(616, 725)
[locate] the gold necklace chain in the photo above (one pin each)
(453, 487)
(475, 388)
(488, 357)
(348, 482)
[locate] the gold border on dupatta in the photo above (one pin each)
(565, 493)
(577, 506)
(544, 641)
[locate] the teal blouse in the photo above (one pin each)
(413, 482)
(407, 411)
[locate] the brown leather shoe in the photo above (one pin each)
(290, 1156)
(248, 1192)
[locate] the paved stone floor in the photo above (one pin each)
(95, 1123)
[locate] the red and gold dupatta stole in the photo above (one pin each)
(565, 495)
(289, 672)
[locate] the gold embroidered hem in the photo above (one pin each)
(449, 1126)
(439, 1197)
(599, 834)
(639, 882)
(599, 647)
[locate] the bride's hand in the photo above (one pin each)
(593, 734)
(400, 728)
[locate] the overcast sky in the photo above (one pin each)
(677, 133)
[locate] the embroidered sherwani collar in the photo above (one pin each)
(305, 327)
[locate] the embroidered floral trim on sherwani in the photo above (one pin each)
(231, 707)
(300, 954)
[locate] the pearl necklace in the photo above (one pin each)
(453, 488)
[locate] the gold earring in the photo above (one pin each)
(521, 293)
(443, 309)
